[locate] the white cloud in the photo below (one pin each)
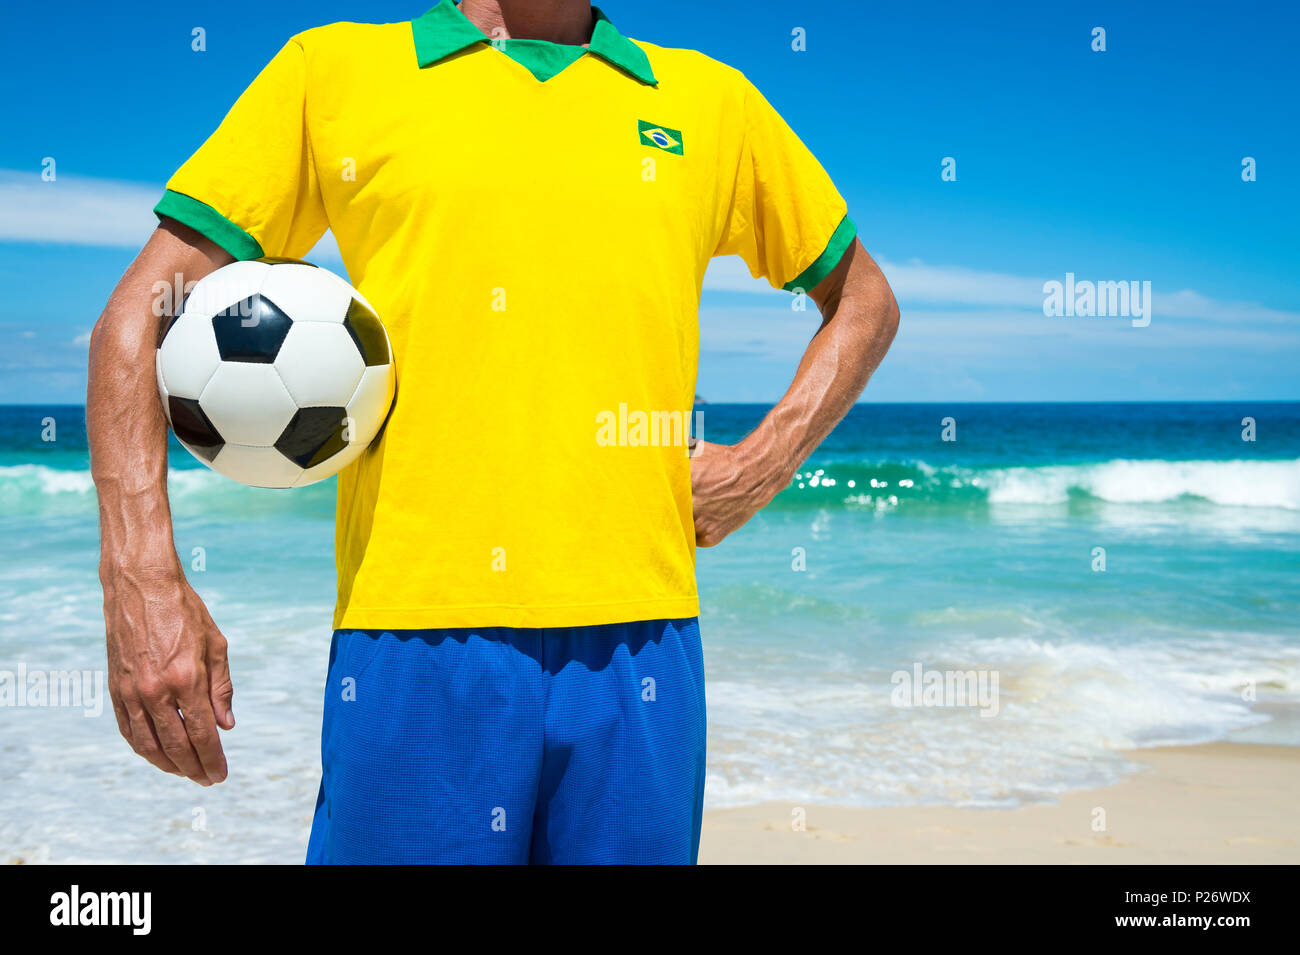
(913, 283)
(1189, 304)
(80, 210)
(916, 283)
(770, 331)
(75, 210)
(108, 212)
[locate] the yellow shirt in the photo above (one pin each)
(532, 223)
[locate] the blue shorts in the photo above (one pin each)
(502, 745)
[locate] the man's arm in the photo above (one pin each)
(167, 672)
(730, 483)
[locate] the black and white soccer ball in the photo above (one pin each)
(275, 373)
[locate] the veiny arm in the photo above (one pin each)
(730, 483)
(167, 672)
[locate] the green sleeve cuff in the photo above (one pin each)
(207, 221)
(825, 263)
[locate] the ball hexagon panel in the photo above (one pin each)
(229, 284)
(259, 467)
(332, 465)
(371, 401)
(188, 356)
(193, 427)
(362, 299)
(248, 403)
(319, 364)
(368, 332)
(314, 435)
(307, 293)
(251, 330)
(366, 411)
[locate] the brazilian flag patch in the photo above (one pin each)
(661, 137)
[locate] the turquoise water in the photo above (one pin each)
(974, 554)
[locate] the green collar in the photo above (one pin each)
(444, 30)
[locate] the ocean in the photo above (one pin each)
(1112, 577)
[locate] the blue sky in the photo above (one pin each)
(1115, 165)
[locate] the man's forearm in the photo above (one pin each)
(125, 426)
(127, 431)
(128, 441)
(860, 317)
(168, 674)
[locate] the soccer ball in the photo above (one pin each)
(275, 373)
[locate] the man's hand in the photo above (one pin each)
(731, 483)
(167, 672)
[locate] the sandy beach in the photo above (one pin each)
(1216, 803)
